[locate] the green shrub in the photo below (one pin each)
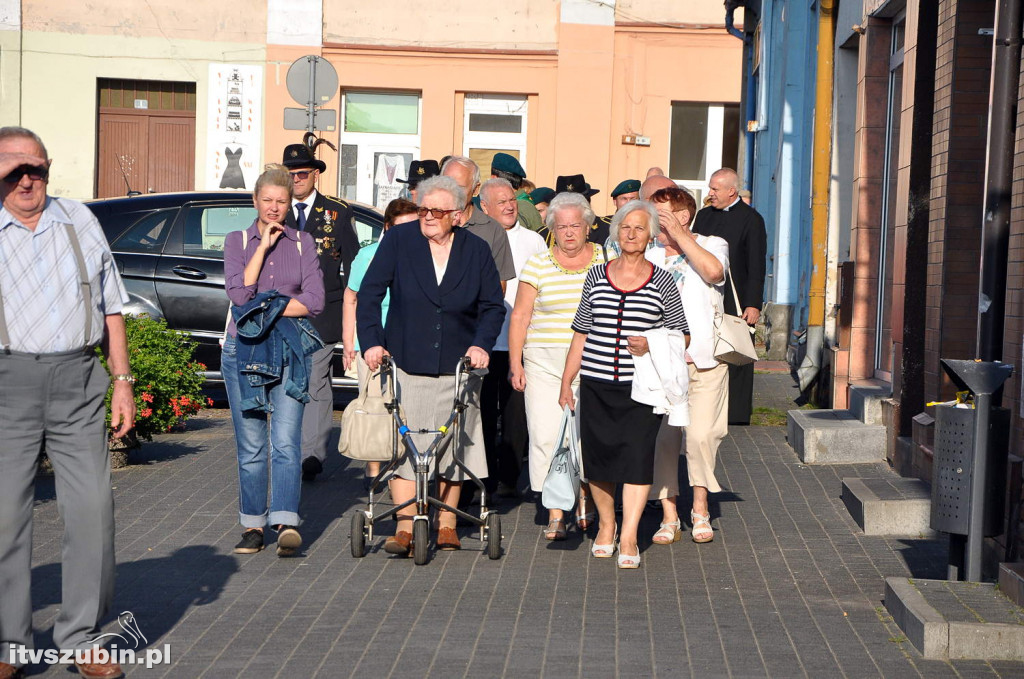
(168, 386)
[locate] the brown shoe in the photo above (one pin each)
(91, 670)
(10, 671)
(399, 543)
(448, 539)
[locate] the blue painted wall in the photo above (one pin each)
(783, 149)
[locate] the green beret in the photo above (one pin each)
(541, 194)
(506, 163)
(626, 186)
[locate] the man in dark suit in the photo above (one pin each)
(743, 228)
(332, 225)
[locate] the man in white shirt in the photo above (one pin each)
(500, 403)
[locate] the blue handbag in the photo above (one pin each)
(562, 484)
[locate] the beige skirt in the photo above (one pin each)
(426, 403)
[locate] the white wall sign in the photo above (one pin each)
(235, 126)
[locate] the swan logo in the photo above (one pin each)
(125, 649)
(130, 630)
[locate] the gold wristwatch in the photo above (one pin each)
(129, 378)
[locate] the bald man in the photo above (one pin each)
(655, 183)
(743, 228)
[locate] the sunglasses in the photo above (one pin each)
(301, 175)
(435, 213)
(34, 172)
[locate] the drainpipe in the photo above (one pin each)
(820, 183)
(748, 62)
(995, 226)
(730, 7)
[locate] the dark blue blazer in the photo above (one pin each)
(430, 326)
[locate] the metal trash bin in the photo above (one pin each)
(952, 469)
(971, 448)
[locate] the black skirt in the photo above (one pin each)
(617, 434)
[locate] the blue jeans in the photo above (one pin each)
(251, 437)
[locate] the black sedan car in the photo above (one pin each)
(169, 248)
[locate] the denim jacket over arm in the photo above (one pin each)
(268, 341)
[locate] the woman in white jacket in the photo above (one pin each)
(699, 265)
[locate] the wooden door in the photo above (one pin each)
(123, 162)
(172, 153)
(146, 136)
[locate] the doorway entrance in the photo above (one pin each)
(379, 139)
(146, 140)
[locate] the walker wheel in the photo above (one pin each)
(358, 537)
(419, 541)
(493, 536)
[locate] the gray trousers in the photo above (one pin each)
(316, 416)
(56, 400)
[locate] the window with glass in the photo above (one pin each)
(494, 123)
(146, 236)
(379, 137)
(382, 112)
(206, 228)
(704, 137)
(887, 234)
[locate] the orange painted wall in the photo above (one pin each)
(600, 83)
(441, 78)
(653, 68)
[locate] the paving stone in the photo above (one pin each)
(766, 598)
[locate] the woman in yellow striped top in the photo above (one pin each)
(540, 331)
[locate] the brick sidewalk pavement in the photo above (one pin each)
(790, 587)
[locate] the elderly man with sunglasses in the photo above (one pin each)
(60, 298)
(331, 222)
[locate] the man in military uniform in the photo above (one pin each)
(332, 225)
(420, 170)
(627, 190)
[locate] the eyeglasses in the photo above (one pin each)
(301, 175)
(434, 212)
(566, 227)
(34, 172)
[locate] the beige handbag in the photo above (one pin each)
(367, 428)
(734, 339)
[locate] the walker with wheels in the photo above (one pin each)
(425, 466)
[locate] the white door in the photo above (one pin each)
(493, 123)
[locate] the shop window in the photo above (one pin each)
(382, 113)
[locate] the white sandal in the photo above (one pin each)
(628, 560)
(668, 533)
(604, 551)
(701, 526)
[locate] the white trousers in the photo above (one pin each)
(544, 366)
(709, 425)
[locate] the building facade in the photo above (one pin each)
(910, 86)
(175, 99)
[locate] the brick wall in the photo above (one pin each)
(865, 224)
(962, 74)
